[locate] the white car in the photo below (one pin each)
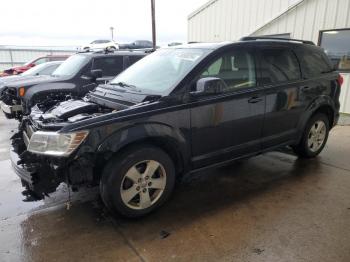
(101, 44)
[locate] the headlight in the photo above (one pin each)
(56, 144)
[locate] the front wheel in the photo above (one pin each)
(314, 137)
(137, 181)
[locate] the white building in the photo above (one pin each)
(325, 22)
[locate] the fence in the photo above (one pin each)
(18, 56)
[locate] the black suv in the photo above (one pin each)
(177, 111)
(75, 77)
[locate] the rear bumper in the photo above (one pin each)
(10, 109)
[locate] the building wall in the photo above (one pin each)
(222, 20)
(309, 17)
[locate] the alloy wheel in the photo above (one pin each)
(317, 136)
(143, 184)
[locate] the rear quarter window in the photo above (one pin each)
(313, 63)
(133, 59)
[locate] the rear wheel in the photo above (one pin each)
(137, 181)
(314, 137)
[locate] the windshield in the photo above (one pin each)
(160, 71)
(70, 66)
(35, 70)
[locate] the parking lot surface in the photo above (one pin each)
(273, 207)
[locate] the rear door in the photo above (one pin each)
(280, 76)
(228, 125)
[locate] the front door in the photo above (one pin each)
(228, 125)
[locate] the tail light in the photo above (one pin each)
(340, 80)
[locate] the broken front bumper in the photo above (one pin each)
(36, 175)
(21, 170)
(10, 109)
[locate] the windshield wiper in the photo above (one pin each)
(125, 85)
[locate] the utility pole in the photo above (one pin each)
(112, 29)
(153, 24)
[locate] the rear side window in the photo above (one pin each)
(110, 66)
(313, 63)
(278, 66)
(133, 59)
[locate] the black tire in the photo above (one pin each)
(113, 179)
(302, 149)
(113, 48)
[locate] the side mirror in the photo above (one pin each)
(31, 65)
(209, 86)
(96, 73)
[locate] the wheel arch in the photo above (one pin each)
(158, 135)
(324, 105)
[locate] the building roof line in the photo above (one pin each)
(201, 8)
(273, 19)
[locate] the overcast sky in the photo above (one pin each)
(76, 22)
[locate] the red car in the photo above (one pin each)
(20, 69)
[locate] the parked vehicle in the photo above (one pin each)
(43, 59)
(35, 72)
(75, 77)
(101, 44)
(174, 44)
(138, 44)
(136, 134)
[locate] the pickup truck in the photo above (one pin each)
(74, 78)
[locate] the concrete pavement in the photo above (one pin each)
(273, 207)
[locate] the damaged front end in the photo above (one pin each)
(41, 174)
(57, 145)
(38, 175)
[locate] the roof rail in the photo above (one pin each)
(250, 38)
(111, 51)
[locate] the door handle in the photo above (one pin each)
(254, 99)
(305, 87)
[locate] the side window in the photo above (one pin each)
(236, 69)
(278, 66)
(133, 59)
(313, 63)
(110, 66)
(214, 68)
